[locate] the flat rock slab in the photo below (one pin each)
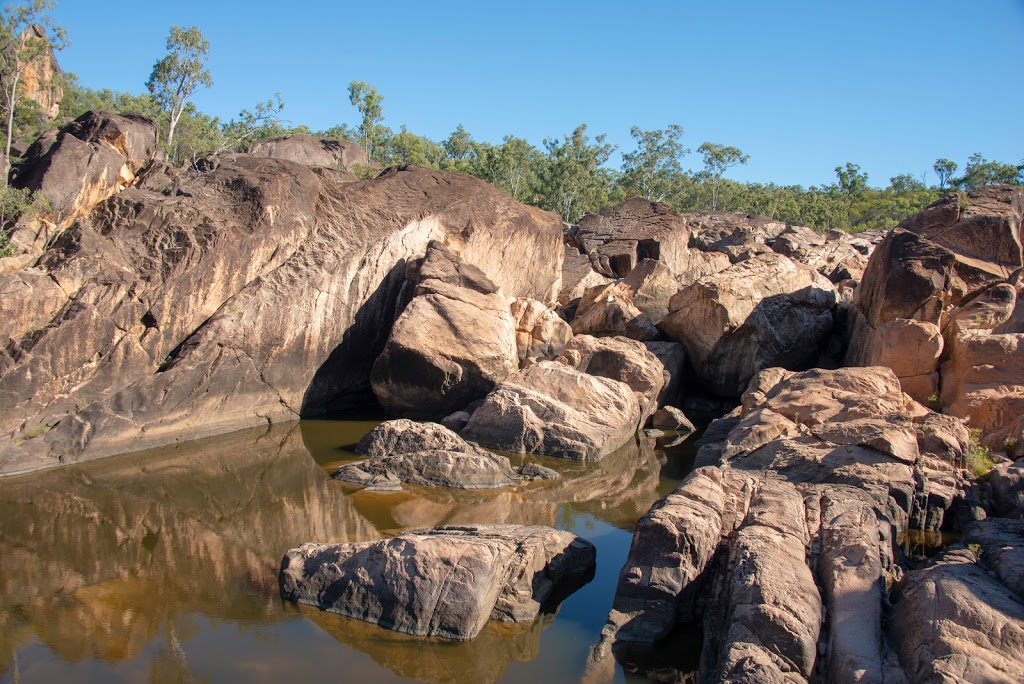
(446, 581)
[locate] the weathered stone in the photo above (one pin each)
(609, 310)
(540, 333)
(451, 346)
(618, 358)
(656, 231)
(577, 277)
(312, 151)
(551, 408)
(766, 311)
(651, 286)
(673, 358)
(671, 418)
(425, 454)
(262, 290)
(92, 158)
(446, 582)
(953, 622)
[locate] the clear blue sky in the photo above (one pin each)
(800, 86)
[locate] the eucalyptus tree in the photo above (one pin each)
(179, 74)
(653, 169)
(574, 182)
(944, 169)
(717, 160)
(369, 103)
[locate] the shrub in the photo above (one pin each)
(978, 461)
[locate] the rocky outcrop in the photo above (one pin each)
(836, 255)
(621, 359)
(259, 291)
(551, 408)
(41, 80)
(79, 166)
(762, 312)
(329, 153)
(739, 236)
(447, 581)
(802, 493)
(952, 269)
(402, 451)
(451, 345)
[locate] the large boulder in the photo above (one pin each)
(313, 151)
(953, 268)
(540, 333)
(622, 359)
(836, 255)
(80, 165)
(260, 291)
(446, 582)
(551, 408)
(453, 343)
(762, 312)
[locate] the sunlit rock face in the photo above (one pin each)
(255, 290)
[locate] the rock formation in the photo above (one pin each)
(259, 290)
(402, 451)
(325, 153)
(802, 493)
(446, 581)
(938, 305)
(451, 345)
(762, 312)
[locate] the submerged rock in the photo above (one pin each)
(447, 581)
(425, 454)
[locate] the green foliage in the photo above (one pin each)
(717, 160)
(179, 74)
(975, 549)
(944, 169)
(655, 168)
(980, 172)
(978, 461)
(574, 181)
(16, 203)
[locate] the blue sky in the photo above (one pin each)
(800, 86)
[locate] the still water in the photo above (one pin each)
(162, 566)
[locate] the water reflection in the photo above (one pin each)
(162, 566)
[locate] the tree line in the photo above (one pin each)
(567, 174)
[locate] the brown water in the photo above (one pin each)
(162, 566)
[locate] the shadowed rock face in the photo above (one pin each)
(259, 291)
(763, 312)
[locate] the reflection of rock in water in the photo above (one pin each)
(97, 557)
(482, 660)
(617, 489)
